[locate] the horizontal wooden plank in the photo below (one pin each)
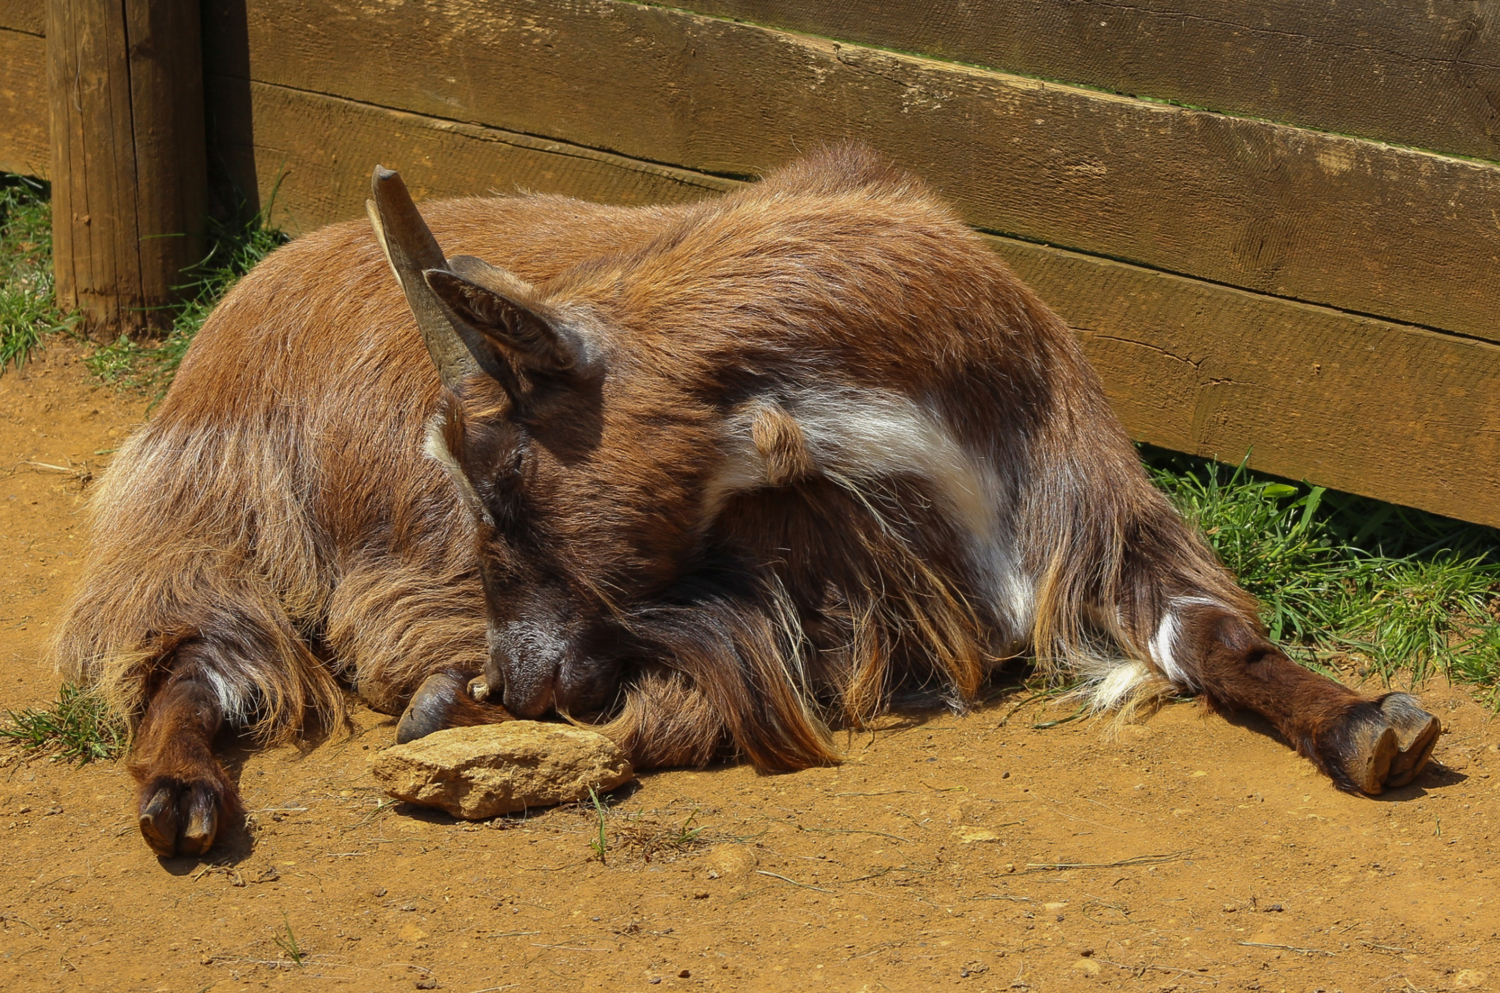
(1421, 74)
(25, 146)
(29, 16)
(1396, 412)
(308, 157)
(1319, 218)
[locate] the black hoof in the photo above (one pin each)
(430, 705)
(448, 700)
(180, 818)
(1386, 744)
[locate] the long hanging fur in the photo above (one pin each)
(831, 453)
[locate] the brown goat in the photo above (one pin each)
(715, 478)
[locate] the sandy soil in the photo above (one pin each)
(1187, 852)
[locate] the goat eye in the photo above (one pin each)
(512, 464)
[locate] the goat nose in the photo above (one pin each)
(529, 699)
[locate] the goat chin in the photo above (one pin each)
(740, 471)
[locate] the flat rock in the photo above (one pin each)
(479, 772)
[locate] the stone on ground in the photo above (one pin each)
(479, 772)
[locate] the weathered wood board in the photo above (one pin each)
(26, 16)
(1348, 401)
(1420, 74)
(1324, 219)
(310, 158)
(24, 146)
(1351, 402)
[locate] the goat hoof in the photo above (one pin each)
(180, 818)
(1386, 744)
(430, 706)
(1416, 734)
(448, 700)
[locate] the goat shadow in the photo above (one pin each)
(1435, 776)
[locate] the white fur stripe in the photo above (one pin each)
(235, 698)
(856, 436)
(437, 449)
(1164, 641)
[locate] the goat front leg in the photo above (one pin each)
(449, 698)
(185, 797)
(1365, 745)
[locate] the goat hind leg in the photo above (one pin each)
(1364, 745)
(185, 798)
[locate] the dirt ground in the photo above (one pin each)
(1186, 852)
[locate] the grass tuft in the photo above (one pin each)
(1344, 579)
(643, 836)
(287, 942)
(78, 727)
(28, 305)
(600, 844)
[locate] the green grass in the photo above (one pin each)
(600, 844)
(1345, 580)
(641, 837)
(28, 308)
(77, 726)
(287, 942)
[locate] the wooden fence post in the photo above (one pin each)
(129, 168)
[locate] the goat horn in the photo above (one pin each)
(410, 248)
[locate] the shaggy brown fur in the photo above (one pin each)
(735, 473)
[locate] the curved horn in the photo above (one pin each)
(410, 248)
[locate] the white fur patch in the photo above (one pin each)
(857, 436)
(236, 700)
(1117, 686)
(1164, 641)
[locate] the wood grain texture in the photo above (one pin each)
(308, 157)
(94, 234)
(129, 197)
(1421, 74)
(166, 108)
(28, 16)
(1370, 406)
(1409, 236)
(25, 146)
(1345, 401)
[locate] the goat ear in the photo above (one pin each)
(510, 312)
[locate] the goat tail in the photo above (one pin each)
(192, 573)
(747, 658)
(667, 722)
(122, 637)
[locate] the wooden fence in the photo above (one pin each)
(1276, 228)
